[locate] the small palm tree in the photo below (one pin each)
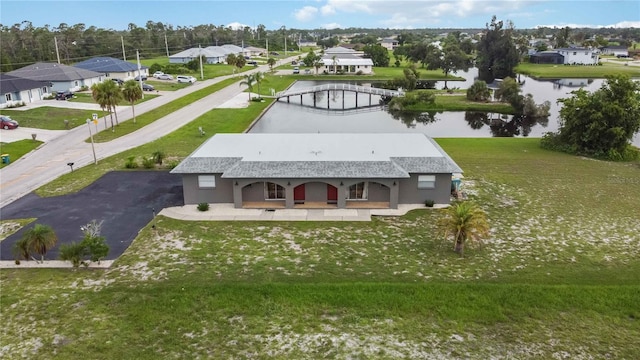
(271, 62)
(464, 221)
(39, 239)
(249, 79)
(318, 64)
(131, 92)
(99, 96)
(258, 77)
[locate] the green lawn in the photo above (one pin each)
(559, 277)
(86, 98)
(458, 102)
(17, 149)
(550, 71)
(50, 118)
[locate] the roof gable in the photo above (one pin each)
(11, 84)
(107, 64)
(53, 72)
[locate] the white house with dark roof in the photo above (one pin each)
(619, 51)
(317, 170)
(59, 77)
(16, 90)
(113, 68)
(212, 54)
(579, 56)
(389, 43)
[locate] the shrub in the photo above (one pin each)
(429, 203)
(73, 252)
(203, 206)
(158, 156)
(478, 91)
(172, 164)
(148, 163)
(131, 163)
(96, 247)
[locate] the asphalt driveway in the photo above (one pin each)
(123, 199)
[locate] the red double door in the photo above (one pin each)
(299, 194)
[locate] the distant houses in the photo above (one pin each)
(618, 51)
(214, 54)
(17, 91)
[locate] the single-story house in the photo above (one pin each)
(371, 170)
(579, 56)
(342, 50)
(254, 51)
(620, 51)
(113, 68)
(59, 77)
(16, 90)
(234, 49)
(212, 54)
(349, 64)
(546, 57)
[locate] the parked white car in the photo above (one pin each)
(157, 74)
(185, 79)
(165, 77)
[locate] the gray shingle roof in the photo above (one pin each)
(315, 169)
(334, 156)
(105, 64)
(12, 84)
(53, 72)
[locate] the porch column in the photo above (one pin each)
(342, 196)
(237, 194)
(288, 197)
(394, 191)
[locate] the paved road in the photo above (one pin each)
(50, 160)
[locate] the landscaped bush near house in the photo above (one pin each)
(203, 207)
(158, 156)
(429, 203)
(148, 163)
(131, 163)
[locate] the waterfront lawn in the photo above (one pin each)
(557, 279)
(17, 149)
(50, 118)
(459, 102)
(551, 71)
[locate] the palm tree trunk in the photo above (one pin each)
(115, 112)
(111, 116)
(133, 110)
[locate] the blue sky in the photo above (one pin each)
(327, 14)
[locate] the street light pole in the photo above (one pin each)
(95, 160)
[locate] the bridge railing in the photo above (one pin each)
(335, 86)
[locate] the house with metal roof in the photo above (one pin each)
(211, 54)
(59, 77)
(16, 91)
(309, 170)
(113, 68)
(346, 63)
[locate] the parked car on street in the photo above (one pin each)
(147, 87)
(296, 70)
(185, 79)
(64, 95)
(157, 73)
(165, 77)
(8, 123)
(142, 76)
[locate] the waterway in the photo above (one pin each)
(328, 116)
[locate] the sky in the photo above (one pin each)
(324, 14)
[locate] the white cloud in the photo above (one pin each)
(327, 10)
(305, 14)
(621, 24)
(330, 26)
(237, 26)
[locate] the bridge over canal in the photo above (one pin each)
(357, 89)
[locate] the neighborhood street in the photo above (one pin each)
(50, 160)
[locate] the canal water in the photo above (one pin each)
(328, 115)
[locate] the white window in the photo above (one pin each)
(8, 97)
(273, 191)
(426, 181)
(206, 181)
(358, 191)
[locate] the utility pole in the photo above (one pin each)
(267, 39)
(95, 160)
(166, 46)
(55, 39)
(200, 56)
(124, 56)
(139, 72)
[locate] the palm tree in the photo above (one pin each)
(249, 79)
(258, 77)
(132, 93)
(99, 96)
(465, 221)
(318, 64)
(114, 94)
(335, 64)
(39, 239)
(271, 61)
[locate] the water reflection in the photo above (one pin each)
(285, 117)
